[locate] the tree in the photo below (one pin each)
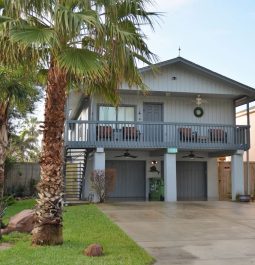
(17, 92)
(24, 143)
(94, 43)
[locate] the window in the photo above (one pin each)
(122, 113)
(107, 113)
(126, 114)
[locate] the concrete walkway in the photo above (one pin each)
(190, 233)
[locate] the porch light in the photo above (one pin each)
(153, 168)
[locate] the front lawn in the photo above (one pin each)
(83, 225)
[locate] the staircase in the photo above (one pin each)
(74, 174)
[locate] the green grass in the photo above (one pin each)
(83, 225)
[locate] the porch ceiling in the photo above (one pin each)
(157, 152)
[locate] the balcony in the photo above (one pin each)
(91, 134)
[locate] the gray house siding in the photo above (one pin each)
(180, 109)
(187, 81)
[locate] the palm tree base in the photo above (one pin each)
(48, 234)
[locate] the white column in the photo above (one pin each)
(98, 164)
(99, 159)
(237, 174)
(170, 178)
(212, 180)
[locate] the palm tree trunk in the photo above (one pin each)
(3, 147)
(48, 227)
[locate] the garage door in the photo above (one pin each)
(191, 181)
(130, 180)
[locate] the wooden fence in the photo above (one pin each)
(224, 175)
(21, 178)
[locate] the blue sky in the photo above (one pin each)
(219, 35)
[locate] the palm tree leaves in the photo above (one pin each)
(30, 35)
(17, 88)
(70, 22)
(81, 62)
(135, 11)
(5, 19)
(100, 40)
(123, 40)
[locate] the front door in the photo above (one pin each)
(152, 112)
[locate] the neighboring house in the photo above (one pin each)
(241, 118)
(176, 131)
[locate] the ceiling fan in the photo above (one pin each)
(191, 155)
(126, 154)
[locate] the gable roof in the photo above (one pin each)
(181, 60)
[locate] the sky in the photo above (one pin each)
(216, 34)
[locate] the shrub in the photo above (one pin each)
(98, 184)
(103, 182)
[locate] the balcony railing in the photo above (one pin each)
(156, 135)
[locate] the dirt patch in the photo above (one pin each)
(4, 246)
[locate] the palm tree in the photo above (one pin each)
(17, 91)
(94, 43)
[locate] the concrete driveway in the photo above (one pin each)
(190, 233)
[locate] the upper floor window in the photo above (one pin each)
(107, 113)
(126, 113)
(122, 113)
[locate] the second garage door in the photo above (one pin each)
(191, 181)
(130, 180)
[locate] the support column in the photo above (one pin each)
(99, 159)
(212, 180)
(237, 174)
(99, 164)
(170, 178)
(247, 188)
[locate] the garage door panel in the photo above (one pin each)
(191, 181)
(130, 179)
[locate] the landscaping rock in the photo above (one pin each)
(21, 222)
(93, 250)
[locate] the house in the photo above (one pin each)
(241, 118)
(175, 132)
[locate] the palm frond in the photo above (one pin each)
(70, 22)
(4, 19)
(81, 62)
(33, 35)
(17, 87)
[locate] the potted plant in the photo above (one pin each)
(243, 197)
